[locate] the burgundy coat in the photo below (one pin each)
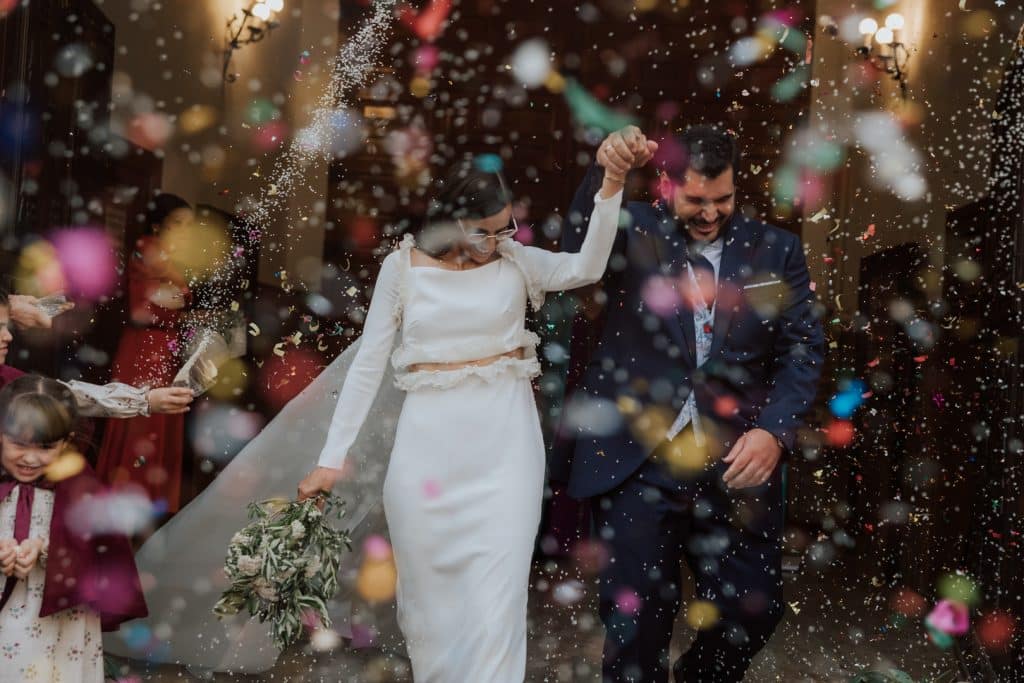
(96, 572)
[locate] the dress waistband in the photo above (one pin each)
(442, 367)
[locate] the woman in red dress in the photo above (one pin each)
(148, 450)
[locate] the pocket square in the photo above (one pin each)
(767, 283)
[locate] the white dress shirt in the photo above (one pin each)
(712, 251)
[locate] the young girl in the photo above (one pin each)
(62, 584)
(148, 451)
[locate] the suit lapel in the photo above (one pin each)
(670, 250)
(736, 252)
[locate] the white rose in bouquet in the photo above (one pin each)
(313, 566)
(298, 530)
(265, 590)
(249, 566)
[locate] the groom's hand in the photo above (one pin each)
(320, 480)
(624, 150)
(752, 459)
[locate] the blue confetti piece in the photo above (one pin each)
(488, 163)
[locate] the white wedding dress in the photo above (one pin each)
(462, 492)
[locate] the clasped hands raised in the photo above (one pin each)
(624, 150)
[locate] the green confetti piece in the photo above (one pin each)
(587, 111)
(261, 111)
(958, 587)
(790, 86)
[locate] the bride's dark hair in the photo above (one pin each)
(467, 191)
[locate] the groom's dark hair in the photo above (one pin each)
(708, 150)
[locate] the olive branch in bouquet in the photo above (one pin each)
(283, 566)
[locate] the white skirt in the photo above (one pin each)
(463, 501)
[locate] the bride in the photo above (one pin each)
(462, 492)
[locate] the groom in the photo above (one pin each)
(709, 357)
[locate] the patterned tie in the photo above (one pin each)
(704, 272)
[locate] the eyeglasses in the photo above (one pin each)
(478, 237)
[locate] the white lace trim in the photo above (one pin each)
(520, 368)
(512, 250)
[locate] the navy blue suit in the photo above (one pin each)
(763, 370)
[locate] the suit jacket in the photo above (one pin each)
(765, 361)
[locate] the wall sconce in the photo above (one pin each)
(883, 48)
(255, 23)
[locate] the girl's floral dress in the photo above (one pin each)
(63, 648)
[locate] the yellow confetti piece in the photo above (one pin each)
(322, 346)
(420, 86)
(296, 338)
(234, 305)
(821, 213)
(276, 504)
(279, 349)
(254, 329)
(197, 249)
(628, 405)
(376, 581)
(314, 326)
(231, 380)
(351, 291)
(795, 606)
(555, 82)
(685, 455)
(197, 118)
(650, 425)
(702, 615)
(66, 466)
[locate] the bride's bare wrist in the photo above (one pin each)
(611, 186)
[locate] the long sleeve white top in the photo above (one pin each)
(449, 316)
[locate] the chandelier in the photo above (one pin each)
(254, 24)
(884, 49)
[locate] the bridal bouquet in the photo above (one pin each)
(283, 566)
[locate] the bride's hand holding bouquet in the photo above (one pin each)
(321, 480)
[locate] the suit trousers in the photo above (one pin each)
(731, 542)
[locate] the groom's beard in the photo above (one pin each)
(699, 228)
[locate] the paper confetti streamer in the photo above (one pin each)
(587, 111)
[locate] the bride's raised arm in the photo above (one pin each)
(554, 271)
(367, 370)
